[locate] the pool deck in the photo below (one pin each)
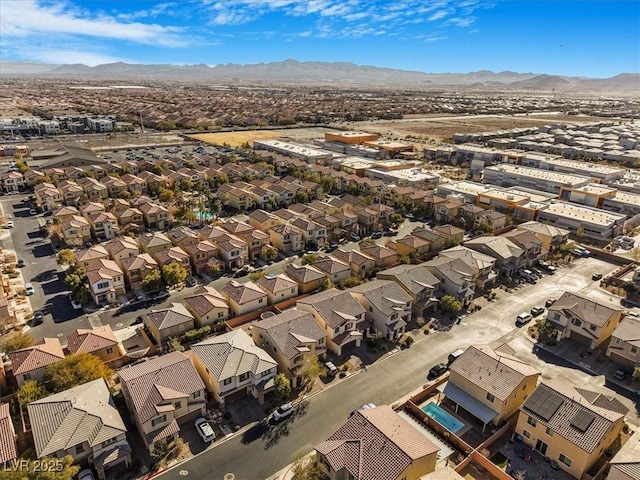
(445, 450)
(466, 426)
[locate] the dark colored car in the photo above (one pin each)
(596, 276)
(376, 235)
(437, 370)
(621, 373)
(37, 318)
(549, 302)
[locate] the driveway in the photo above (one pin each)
(41, 269)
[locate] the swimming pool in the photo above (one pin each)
(445, 419)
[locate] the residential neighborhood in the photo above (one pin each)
(343, 303)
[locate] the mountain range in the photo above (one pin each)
(323, 73)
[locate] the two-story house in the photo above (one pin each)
(563, 426)
(155, 215)
(624, 346)
(490, 382)
(388, 307)
(137, 268)
(208, 306)
(457, 278)
(339, 315)
(121, 248)
(482, 265)
(202, 255)
(377, 443)
(313, 233)
(385, 257)
(552, 237)
(421, 285)
(85, 256)
(159, 392)
(290, 337)
(278, 288)
(100, 342)
(582, 319)
(244, 298)
(307, 277)
(76, 231)
(105, 281)
(231, 365)
(168, 322)
(104, 225)
(530, 243)
(361, 264)
(173, 255)
(30, 363)
(154, 242)
(510, 258)
(334, 269)
(82, 422)
(287, 238)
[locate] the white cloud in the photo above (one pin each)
(439, 15)
(63, 56)
(30, 18)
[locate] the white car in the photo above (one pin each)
(28, 289)
(282, 412)
(205, 430)
(86, 474)
(75, 303)
(10, 224)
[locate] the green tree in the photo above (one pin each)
(405, 259)
(152, 282)
(326, 284)
(396, 218)
(309, 258)
(30, 391)
(450, 304)
(18, 342)
(75, 370)
(257, 275)
(282, 386)
(301, 197)
(65, 257)
(484, 227)
(366, 241)
(22, 166)
(635, 253)
(173, 274)
(165, 195)
(311, 370)
(64, 469)
(351, 281)
(76, 280)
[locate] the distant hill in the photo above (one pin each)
(324, 73)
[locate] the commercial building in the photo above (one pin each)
(300, 152)
(592, 223)
(512, 175)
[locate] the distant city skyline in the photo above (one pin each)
(591, 38)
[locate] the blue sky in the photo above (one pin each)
(593, 38)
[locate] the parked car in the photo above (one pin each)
(32, 211)
(9, 224)
(205, 430)
(633, 314)
(37, 318)
(596, 276)
(454, 355)
(437, 370)
(75, 303)
(366, 406)
(523, 318)
(138, 320)
(28, 289)
(332, 370)
(191, 281)
(283, 412)
(621, 373)
(549, 302)
(241, 272)
(20, 263)
(354, 237)
(86, 474)
(376, 235)
(535, 311)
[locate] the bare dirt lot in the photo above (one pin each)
(238, 138)
(441, 127)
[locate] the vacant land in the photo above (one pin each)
(237, 138)
(441, 128)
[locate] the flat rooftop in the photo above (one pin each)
(595, 189)
(293, 148)
(538, 174)
(581, 213)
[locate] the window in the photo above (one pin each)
(532, 421)
(260, 300)
(371, 309)
(634, 350)
(565, 460)
(102, 285)
(79, 449)
(109, 350)
(109, 442)
(226, 381)
(197, 394)
(158, 420)
(296, 359)
(526, 434)
(491, 397)
(617, 341)
(576, 322)
(243, 377)
(177, 405)
(549, 432)
(26, 376)
(593, 328)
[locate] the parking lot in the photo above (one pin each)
(41, 269)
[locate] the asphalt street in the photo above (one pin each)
(263, 450)
(41, 269)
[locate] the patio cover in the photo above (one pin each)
(469, 403)
(112, 456)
